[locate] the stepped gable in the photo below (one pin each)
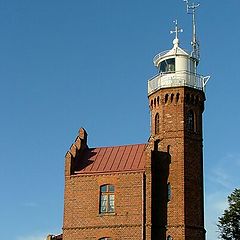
(76, 150)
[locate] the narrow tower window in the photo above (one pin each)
(166, 98)
(157, 123)
(169, 192)
(107, 199)
(177, 97)
(190, 120)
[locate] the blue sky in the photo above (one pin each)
(71, 64)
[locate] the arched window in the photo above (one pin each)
(107, 199)
(105, 238)
(166, 98)
(177, 97)
(169, 192)
(190, 120)
(157, 123)
(169, 237)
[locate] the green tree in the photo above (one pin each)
(229, 222)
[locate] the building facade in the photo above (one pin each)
(145, 191)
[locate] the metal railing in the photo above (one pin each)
(176, 79)
(159, 55)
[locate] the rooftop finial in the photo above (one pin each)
(191, 9)
(176, 31)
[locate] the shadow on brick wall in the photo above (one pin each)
(160, 171)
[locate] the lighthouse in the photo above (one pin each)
(176, 100)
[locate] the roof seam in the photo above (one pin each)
(120, 159)
(100, 162)
(108, 158)
(94, 161)
(128, 157)
(135, 156)
(115, 157)
(139, 161)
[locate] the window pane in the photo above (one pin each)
(111, 203)
(163, 66)
(167, 66)
(111, 188)
(171, 65)
(103, 203)
(104, 188)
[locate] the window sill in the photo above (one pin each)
(106, 214)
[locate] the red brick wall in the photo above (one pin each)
(82, 219)
(185, 209)
(193, 171)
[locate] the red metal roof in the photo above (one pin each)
(112, 159)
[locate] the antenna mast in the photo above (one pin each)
(191, 9)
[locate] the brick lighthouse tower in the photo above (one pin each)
(176, 99)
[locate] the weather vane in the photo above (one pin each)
(191, 9)
(177, 29)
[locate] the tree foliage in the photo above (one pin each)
(229, 222)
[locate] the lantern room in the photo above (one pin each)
(176, 68)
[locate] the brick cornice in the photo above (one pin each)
(105, 174)
(103, 226)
